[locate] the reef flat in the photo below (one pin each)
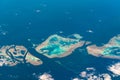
(109, 50)
(57, 46)
(12, 55)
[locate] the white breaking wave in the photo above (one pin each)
(45, 76)
(115, 69)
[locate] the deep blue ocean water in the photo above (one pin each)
(38, 19)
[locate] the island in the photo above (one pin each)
(12, 55)
(109, 50)
(57, 46)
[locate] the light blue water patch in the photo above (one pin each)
(67, 43)
(113, 51)
(53, 39)
(53, 49)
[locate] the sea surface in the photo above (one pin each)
(36, 20)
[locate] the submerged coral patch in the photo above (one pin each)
(57, 46)
(13, 54)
